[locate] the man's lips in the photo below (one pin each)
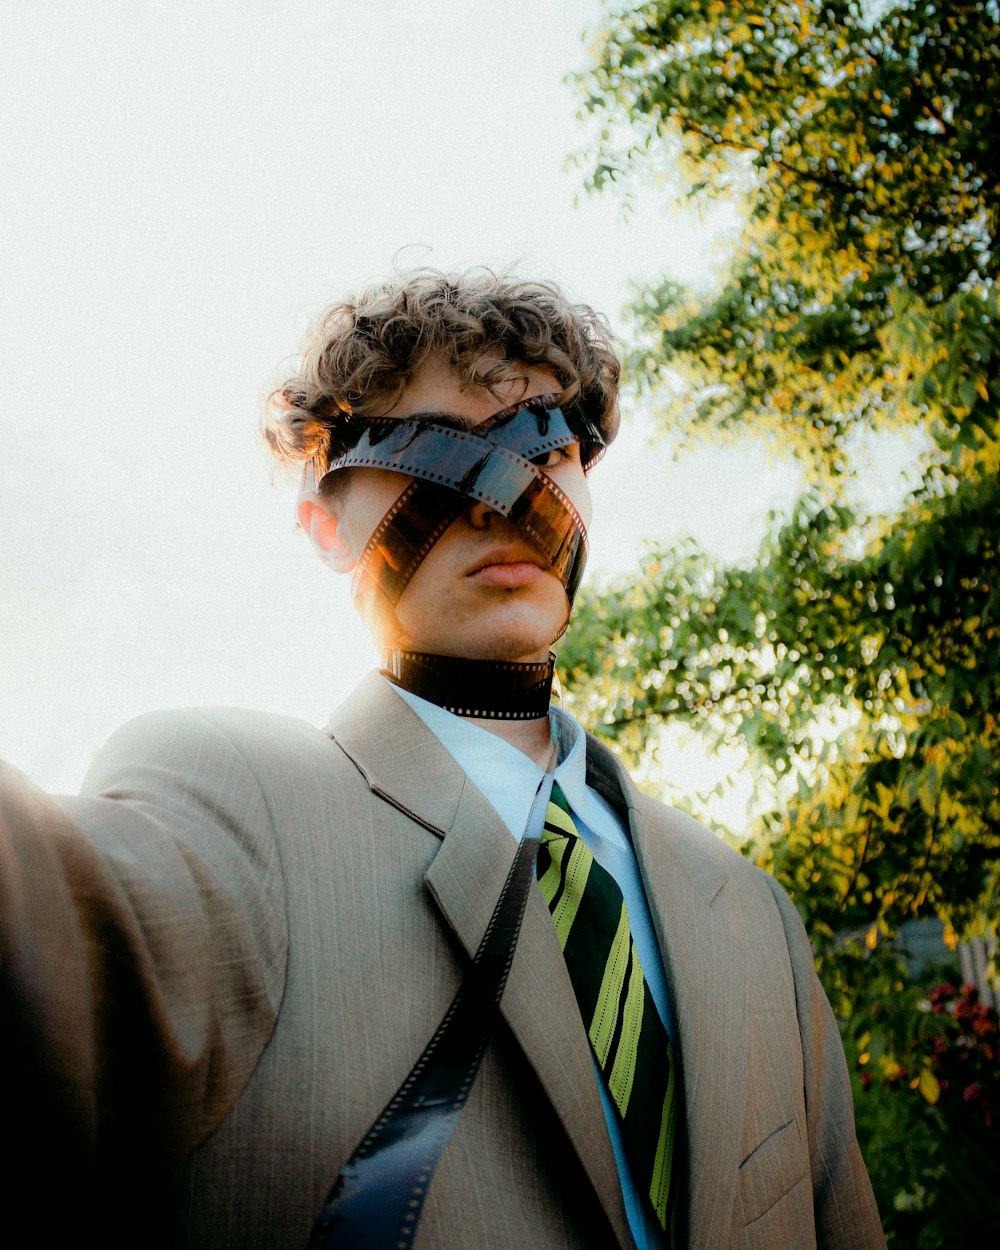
(507, 570)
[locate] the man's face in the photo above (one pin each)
(482, 592)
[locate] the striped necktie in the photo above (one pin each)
(629, 1041)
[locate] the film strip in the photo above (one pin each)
(451, 464)
(488, 688)
(537, 425)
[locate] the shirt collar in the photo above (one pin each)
(506, 776)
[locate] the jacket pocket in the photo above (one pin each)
(771, 1170)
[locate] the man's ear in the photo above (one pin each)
(321, 523)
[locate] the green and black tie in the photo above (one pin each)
(629, 1041)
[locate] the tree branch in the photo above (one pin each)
(830, 181)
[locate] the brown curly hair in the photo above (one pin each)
(362, 352)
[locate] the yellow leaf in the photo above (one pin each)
(927, 794)
(871, 937)
(949, 937)
(755, 20)
(983, 392)
(929, 1086)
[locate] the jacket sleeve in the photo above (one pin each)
(142, 950)
(845, 1211)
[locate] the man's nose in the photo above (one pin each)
(482, 516)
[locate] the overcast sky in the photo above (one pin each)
(186, 186)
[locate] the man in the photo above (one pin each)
(225, 981)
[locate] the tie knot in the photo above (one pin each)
(558, 798)
(558, 821)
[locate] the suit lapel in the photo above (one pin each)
(404, 763)
(694, 912)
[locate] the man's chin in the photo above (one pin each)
(520, 636)
(511, 648)
(511, 651)
(514, 653)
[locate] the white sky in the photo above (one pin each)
(187, 185)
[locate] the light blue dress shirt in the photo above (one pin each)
(508, 779)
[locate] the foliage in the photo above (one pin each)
(859, 660)
(949, 1058)
(866, 287)
(928, 1100)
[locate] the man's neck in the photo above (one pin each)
(533, 737)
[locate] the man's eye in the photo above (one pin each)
(550, 459)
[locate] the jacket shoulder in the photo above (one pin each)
(240, 725)
(195, 741)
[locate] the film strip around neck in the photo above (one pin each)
(491, 689)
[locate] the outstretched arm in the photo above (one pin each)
(142, 953)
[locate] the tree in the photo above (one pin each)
(858, 660)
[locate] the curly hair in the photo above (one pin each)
(362, 352)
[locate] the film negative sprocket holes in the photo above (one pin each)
(491, 463)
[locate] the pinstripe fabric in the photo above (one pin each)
(629, 1041)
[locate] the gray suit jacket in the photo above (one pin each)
(238, 965)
